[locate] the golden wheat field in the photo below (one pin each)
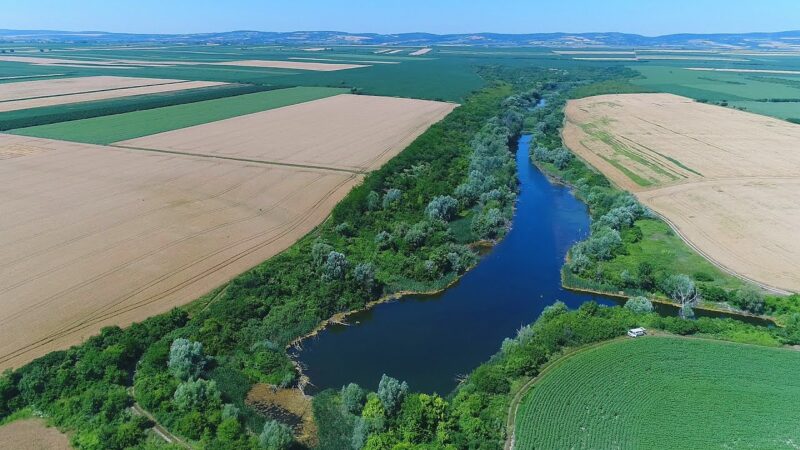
(727, 180)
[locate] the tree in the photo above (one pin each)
(391, 393)
(639, 305)
(197, 395)
(645, 274)
(373, 201)
(335, 266)
(186, 359)
(391, 198)
(681, 288)
(364, 274)
(442, 207)
(320, 252)
(353, 398)
(275, 436)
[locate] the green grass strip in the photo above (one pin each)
(131, 125)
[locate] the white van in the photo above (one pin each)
(636, 332)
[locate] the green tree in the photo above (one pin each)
(353, 398)
(275, 436)
(198, 395)
(335, 266)
(186, 359)
(442, 207)
(391, 392)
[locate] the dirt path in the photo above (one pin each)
(162, 432)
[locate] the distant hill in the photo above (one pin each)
(776, 40)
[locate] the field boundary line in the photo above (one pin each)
(232, 158)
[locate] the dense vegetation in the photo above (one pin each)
(405, 227)
(84, 110)
(474, 416)
(107, 129)
(636, 393)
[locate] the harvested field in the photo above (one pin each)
(95, 236)
(13, 105)
(32, 434)
(319, 67)
(25, 90)
(725, 179)
(347, 132)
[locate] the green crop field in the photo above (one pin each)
(738, 89)
(120, 127)
(665, 393)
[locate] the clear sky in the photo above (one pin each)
(648, 17)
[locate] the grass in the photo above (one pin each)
(661, 392)
(665, 250)
(120, 127)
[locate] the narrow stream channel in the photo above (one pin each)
(431, 340)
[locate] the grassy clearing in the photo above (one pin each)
(665, 251)
(120, 127)
(655, 392)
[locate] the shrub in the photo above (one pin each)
(750, 299)
(639, 305)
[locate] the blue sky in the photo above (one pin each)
(648, 17)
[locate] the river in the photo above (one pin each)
(431, 340)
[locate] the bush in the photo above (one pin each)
(639, 305)
(750, 299)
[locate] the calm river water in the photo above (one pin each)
(430, 340)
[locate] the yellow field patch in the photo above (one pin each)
(725, 179)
